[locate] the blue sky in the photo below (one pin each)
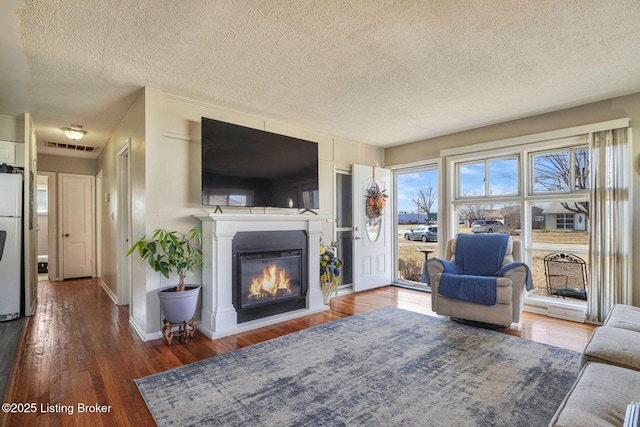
(503, 177)
(502, 173)
(408, 186)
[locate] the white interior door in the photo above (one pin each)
(77, 225)
(371, 248)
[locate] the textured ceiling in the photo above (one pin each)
(381, 72)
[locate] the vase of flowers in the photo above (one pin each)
(330, 271)
(375, 201)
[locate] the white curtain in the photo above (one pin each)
(610, 215)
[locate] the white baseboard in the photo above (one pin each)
(575, 314)
(136, 327)
(259, 323)
(140, 330)
(109, 292)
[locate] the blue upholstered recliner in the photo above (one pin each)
(481, 278)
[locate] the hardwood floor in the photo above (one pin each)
(10, 334)
(80, 349)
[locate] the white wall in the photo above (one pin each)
(165, 164)
(130, 129)
(12, 128)
(64, 164)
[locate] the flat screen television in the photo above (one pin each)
(242, 166)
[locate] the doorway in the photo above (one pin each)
(344, 224)
(42, 225)
(417, 222)
(46, 225)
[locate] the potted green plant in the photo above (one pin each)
(170, 252)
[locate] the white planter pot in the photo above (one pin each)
(179, 307)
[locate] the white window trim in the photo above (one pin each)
(526, 146)
(571, 149)
(443, 217)
(487, 177)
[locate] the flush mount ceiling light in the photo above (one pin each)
(74, 132)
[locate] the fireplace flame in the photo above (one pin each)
(274, 281)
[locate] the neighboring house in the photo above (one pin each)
(537, 218)
(559, 218)
(497, 215)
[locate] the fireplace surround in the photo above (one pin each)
(219, 315)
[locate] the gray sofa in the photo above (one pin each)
(610, 376)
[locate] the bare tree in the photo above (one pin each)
(552, 173)
(582, 169)
(511, 216)
(576, 207)
(425, 199)
(471, 213)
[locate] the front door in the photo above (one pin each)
(372, 246)
(76, 225)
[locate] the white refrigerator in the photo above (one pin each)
(10, 245)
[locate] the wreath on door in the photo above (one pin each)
(375, 201)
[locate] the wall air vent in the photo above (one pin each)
(75, 147)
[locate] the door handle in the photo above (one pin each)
(356, 238)
(65, 235)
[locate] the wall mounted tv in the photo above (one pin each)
(242, 166)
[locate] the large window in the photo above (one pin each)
(538, 193)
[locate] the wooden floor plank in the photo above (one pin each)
(80, 348)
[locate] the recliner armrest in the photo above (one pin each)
(439, 265)
(517, 274)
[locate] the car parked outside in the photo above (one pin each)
(426, 233)
(486, 226)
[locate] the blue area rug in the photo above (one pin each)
(382, 368)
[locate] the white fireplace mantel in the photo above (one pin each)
(218, 315)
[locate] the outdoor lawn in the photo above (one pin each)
(409, 252)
